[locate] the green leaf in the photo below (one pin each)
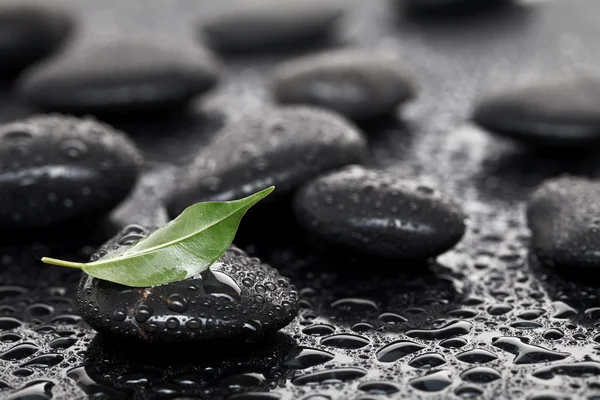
(184, 247)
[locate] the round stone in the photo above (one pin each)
(265, 24)
(120, 77)
(561, 114)
(357, 85)
(377, 213)
(284, 147)
(56, 169)
(214, 304)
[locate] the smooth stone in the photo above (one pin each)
(28, 33)
(379, 214)
(266, 24)
(564, 217)
(448, 6)
(237, 298)
(56, 169)
(357, 85)
(285, 147)
(552, 115)
(120, 77)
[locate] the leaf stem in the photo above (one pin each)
(62, 263)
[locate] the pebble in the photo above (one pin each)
(28, 33)
(55, 169)
(285, 147)
(266, 24)
(237, 298)
(377, 213)
(551, 115)
(564, 217)
(120, 77)
(448, 6)
(357, 85)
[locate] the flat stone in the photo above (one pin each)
(56, 169)
(120, 77)
(266, 24)
(285, 147)
(377, 213)
(561, 114)
(357, 85)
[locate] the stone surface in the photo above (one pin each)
(448, 6)
(237, 298)
(554, 114)
(56, 169)
(120, 77)
(377, 213)
(284, 147)
(564, 218)
(265, 24)
(28, 33)
(359, 85)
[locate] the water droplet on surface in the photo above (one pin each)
(396, 350)
(305, 357)
(428, 360)
(334, 375)
(345, 341)
(432, 382)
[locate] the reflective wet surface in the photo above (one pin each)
(483, 321)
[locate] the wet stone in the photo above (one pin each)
(357, 85)
(447, 7)
(219, 305)
(285, 147)
(564, 217)
(57, 169)
(270, 24)
(379, 214)
(559, 115)
(29, 33)
(120, 77)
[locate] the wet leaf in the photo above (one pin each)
(184, 247)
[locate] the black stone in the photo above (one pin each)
(120, 77)
(28, 33)
(564, 217)
(559, 115)
(285, 147)
(448, 6)
(237, 298)
(358, 85)
(56, 169)
(267, 24)
(379, 214)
